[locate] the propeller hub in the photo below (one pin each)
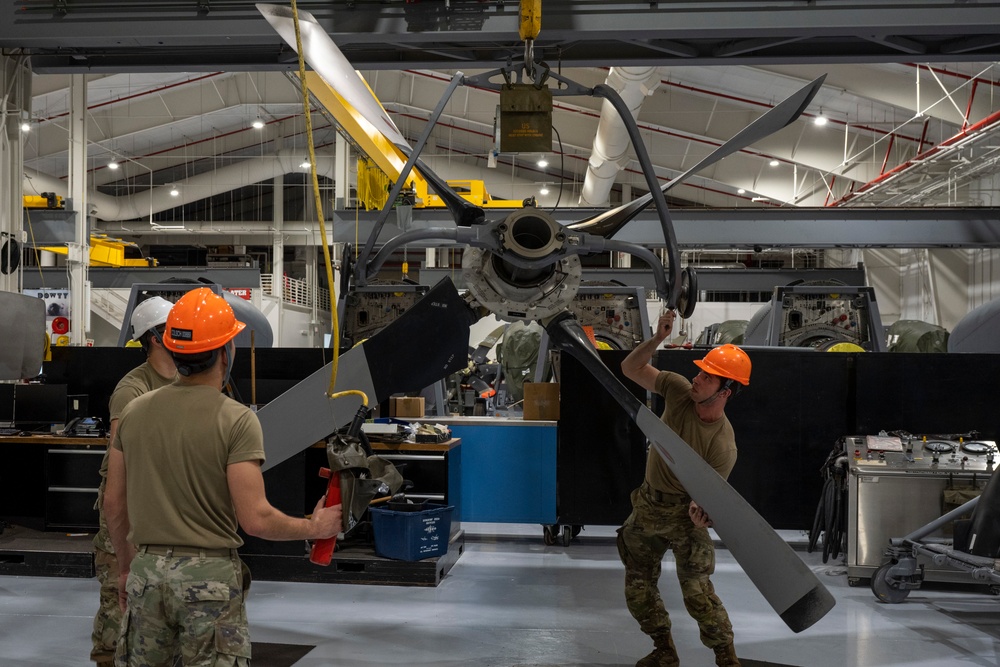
(515, 293)
(531, 233)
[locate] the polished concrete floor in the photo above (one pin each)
(512, 601)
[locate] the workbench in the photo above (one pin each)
(62, 474)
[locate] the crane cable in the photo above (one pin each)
(335, 325)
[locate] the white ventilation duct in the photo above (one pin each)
(612, 143)
(225, 179)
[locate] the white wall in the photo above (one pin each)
(939, 286)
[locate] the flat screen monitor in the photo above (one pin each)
(6, 404)
(39, 405)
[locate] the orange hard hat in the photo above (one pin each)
(727, 361)
(200, 321)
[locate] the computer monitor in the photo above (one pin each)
(6, 404)
(36, 406)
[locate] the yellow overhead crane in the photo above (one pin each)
(109, 251)
(383, 161)
(105, 250)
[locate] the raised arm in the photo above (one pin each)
(637, 366)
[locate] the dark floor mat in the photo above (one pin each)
(747, 662)
(279, 655)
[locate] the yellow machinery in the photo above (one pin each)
(109, 251)
(104, 250)
(45, 200)
(383, 162)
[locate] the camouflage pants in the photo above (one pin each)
(107, 622)
(649, 531)
(190, 606)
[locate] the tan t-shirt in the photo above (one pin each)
(136, 382)
(713, 441)
(178, 442)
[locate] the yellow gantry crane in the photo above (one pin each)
(383, 162)
(104, 250)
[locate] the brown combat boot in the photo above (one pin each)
(725, 656)
(664, 655)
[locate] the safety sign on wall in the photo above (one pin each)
(57, 314)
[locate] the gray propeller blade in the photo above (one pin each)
(326, 59)
(22, 330)
(787, 584)
(608, 223)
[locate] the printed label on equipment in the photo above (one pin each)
(882, 443)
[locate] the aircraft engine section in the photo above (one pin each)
(818, 317)
(617, 314)
(900, 482)
(367, 310)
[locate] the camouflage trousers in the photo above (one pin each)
(108, 620)
(649, 531)
(187, 606)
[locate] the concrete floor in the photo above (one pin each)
(511, 601)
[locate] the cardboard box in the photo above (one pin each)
(541, 400)
(405, 406)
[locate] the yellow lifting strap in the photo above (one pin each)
(531, 19)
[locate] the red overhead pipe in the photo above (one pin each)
(888, 151)
(968, 108)
(986, 122)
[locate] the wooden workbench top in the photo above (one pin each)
(46, 439)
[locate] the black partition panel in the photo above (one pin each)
(787, 421)
(95, 371)
(601, 454)
(928, 393)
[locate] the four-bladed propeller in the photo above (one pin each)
(526, 266)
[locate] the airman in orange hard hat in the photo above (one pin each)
(184, 477)
(663, 513)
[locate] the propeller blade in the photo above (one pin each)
(608, 223)
(329, 62)
(427, 342)
(326, 59)
(22, 330)
(787, 584)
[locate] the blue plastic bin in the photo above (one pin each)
(412, 535)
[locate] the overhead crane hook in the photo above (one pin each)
(529, 26)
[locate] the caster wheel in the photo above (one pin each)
(567, 535)
(549, 535)
(577, 530)
(886, 590)
(853, 581)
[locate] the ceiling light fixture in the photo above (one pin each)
(544, 190)
(257, 123)
(820, 119)
(774, 163)
(174, 192)
(761, 199)
(542, 162)
(305, 164)
(741, 191)
(26, 126)
(112, 165)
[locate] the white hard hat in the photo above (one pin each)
(149, 314)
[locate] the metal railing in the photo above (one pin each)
(293, 290)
